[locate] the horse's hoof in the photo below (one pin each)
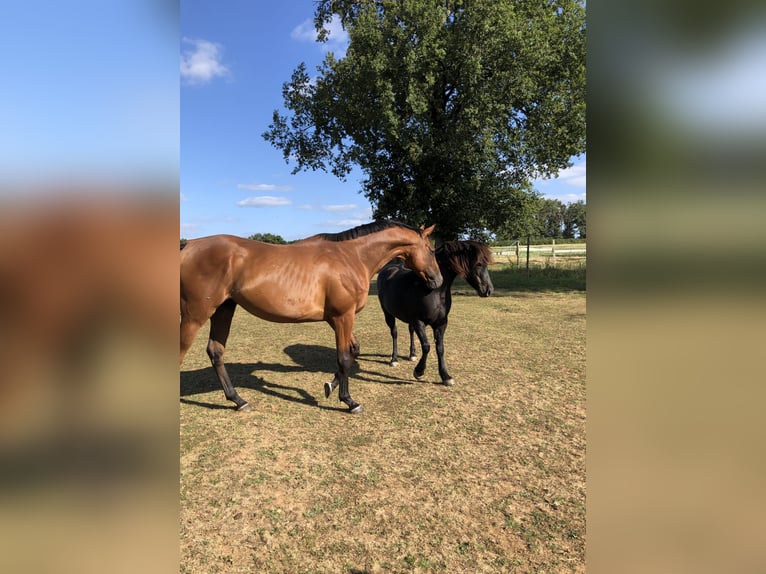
(449, 383)
(246, 408)
(412, 358)
(418, 377)
(328, 389)
(394, 363)
(357, 410)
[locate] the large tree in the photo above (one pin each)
(449, 107)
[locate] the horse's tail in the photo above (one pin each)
(183, 244)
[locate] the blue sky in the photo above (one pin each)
(235, 56)
(89, 89)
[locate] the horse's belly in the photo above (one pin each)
(277, 304)
(281, 309)
(426, 316)
(413, 305)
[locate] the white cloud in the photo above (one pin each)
(339, 208)
(575, 176)
(264, 201)
(304, 31)
(365, 213)
(572, 197)
(223, 219)
(560, 185)
(202, 62)
(189, 229)
(344, 223)
(263, 187)
(183, 197)
(337, 40)
(338, 37)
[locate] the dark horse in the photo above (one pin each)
(323, 278)
(405, 297)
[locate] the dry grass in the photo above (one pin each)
(486, 476)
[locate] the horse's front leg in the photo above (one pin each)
(439, 341)
(420, 330)
(343, 335)
(354, 349)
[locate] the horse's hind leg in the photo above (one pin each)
(220, 323)
(189, 329)
(413, 352)
(391, 322)
(420, 330)
(439, 341)
(354, 346)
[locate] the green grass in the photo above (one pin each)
(540, 277)
(485, 476)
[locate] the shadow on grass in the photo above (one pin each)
(308, 359)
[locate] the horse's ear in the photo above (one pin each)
(427, 230)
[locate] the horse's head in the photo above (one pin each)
(470, 260)
(479, 279)
(422, 260)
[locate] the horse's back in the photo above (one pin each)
(391, 270)
(393, 278)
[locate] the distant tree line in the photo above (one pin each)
(268, 238)
(562, 221)
(539, 220)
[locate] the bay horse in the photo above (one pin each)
(325, 277)
(404, 296)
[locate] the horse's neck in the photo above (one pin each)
(379, 250)
(448, 273)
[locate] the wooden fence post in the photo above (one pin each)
(528, 241)
(553, 251)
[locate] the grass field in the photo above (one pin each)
(485, 476)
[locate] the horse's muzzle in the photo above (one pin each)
(434, 282)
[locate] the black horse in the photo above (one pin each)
(404, 296)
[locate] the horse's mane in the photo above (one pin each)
(462, 255)
(366, 229)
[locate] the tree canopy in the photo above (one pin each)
(450, 107)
